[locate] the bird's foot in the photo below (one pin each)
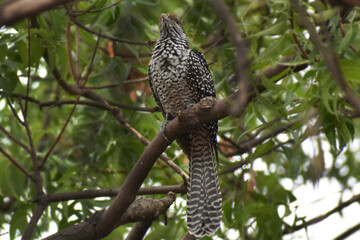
(162, 129)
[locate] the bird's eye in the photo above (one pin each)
(177, 21)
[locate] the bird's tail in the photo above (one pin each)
(203, 196)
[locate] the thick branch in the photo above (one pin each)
(139, 230)
(145, 209)
(12, 11)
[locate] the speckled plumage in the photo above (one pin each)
(179, 77)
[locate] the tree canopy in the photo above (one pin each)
(79, 127)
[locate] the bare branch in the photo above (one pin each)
(88, 194)
(145, 209)
(13, 11)
(74, 19)
(13, 110)
(17, 164)
(139, 230)
(241, 71)
(40, 208)
(344, 33)
(348, 232)
(18, 142)
(28, 70)
(68, 46)
(341, 206)
(79, 13)
(96, 104)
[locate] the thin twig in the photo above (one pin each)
(21, 168)
(13, 110)
(68, 46)
(136, 80)
(241, 60)
(338, 208)
(343, 32)
(74, 19)
(97, 104)
(299, 45)
(348, 232)
(29, 69)
(199, 19)
(14, 139)
(89, 10)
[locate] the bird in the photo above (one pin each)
(179, 77)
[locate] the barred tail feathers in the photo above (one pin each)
(203, 195)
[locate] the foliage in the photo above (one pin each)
(96, 152)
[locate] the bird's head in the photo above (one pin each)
(170, 26)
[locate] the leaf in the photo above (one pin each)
(19, 220)
(8, 82)
(273, 49)
(324, 15)
(134, 51)
(22, 47)
(350, 69)
(350, 35)
(273, 30)
(3, 52)
(263, 148)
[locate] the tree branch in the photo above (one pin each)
(348, 232)
(33, 221)
(87, 194)
(21, 168)
(13, 11)
(79, 12)
(78, 23)
(139, 230)
(97, 104)
(241, 60)
(145, 209)
(341, 206)
(18, 142)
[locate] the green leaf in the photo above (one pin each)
(273, 49)
(273, 30)
(324, 15)
(8, 82)
(22, 47)
(3, 52)
(133, 50)
(263, 148)
(350, 69)
(350, 35)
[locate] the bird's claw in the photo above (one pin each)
(162, 129)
